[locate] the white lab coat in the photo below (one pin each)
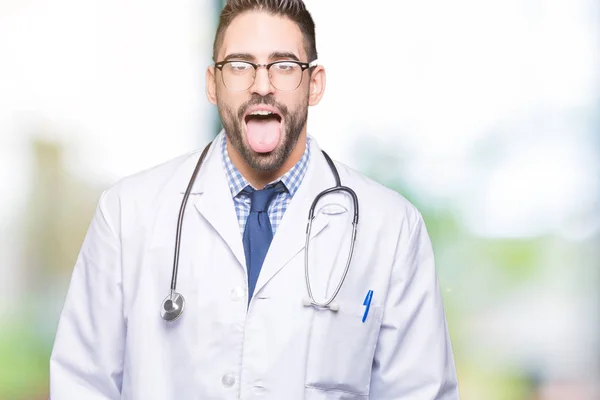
(111, 342)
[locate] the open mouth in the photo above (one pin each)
(262, 116)
(263, 129)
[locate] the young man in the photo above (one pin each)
(260, 320)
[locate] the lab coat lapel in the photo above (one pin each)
(290, 237)
(212, 198)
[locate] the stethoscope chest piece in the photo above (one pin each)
(172, 307)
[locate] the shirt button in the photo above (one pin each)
(237, 293)
(228, 380)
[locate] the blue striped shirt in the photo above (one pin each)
(292, 180)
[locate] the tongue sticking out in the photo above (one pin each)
(263, 134)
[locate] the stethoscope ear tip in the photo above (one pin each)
(335, 307)
(307, 302)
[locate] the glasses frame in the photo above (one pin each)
(304, 66)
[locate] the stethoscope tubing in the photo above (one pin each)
(175, 301)
(186, 196)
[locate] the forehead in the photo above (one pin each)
(260, 34)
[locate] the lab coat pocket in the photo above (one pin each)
(341, 349)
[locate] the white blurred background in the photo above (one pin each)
(487, 117)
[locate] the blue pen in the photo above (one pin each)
(367, 303)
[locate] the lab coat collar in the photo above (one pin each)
(211, 196)
(211, 162)
(290, 237)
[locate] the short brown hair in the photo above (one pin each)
(292, 9)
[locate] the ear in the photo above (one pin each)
(317, 85)
(211, 84)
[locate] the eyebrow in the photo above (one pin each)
(239, 56)
(276, 55)
(279, 55)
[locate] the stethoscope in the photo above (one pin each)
(173, 305)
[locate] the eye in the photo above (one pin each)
(286, 67)
(239, 66)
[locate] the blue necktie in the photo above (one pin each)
(258, 233)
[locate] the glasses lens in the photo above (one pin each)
(285, 75)
(238, 75)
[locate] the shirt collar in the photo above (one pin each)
(291, 179)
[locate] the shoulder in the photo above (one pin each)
(378, 199)
(146, 186)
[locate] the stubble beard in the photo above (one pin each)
(294, 123)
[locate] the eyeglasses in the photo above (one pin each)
(285, 75)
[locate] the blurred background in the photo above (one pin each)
(487, 118)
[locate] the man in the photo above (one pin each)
(252, 328)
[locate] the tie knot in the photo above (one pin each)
(261, 199)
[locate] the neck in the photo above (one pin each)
(259, 179)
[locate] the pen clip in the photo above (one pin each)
(367, 303)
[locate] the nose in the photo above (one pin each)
(262, 83)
